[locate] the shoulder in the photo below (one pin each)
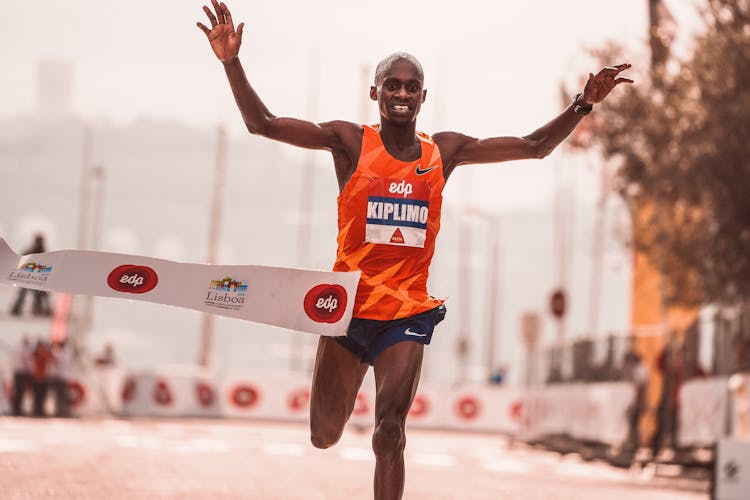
(451, 142)
(343, 128)
(450, 145)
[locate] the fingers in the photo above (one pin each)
(204, 29)
(614, 70)
(210, 15)
(239, 30)
(219, 11)
(227, 15)
(623, 80)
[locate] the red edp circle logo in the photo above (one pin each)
(129, 278)
(325, 303)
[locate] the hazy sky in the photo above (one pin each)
(492, 68)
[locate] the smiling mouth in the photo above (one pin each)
(401, 108)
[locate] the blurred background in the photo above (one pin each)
(620, 258)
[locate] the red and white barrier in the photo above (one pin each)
(95, 391)
(186, 391)
(489, 408)
(584, 411)
(171, 391)
(275, 396)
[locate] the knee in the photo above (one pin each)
(389, 437)
(324, 438)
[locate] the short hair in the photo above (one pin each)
(386, 63)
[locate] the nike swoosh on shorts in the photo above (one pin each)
(414, 334)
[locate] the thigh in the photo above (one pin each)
(397, 371)
(337, 376)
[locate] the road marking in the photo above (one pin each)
(507, 465)
(433, 459)
(284, 449)
(15, 445)
(591, 472)
(360, 454)
(201, 445)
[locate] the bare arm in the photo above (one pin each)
(225, 42)
(458, 149)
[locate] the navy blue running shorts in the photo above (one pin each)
(367, 338)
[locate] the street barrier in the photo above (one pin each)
(703, 415)
(170, 391)
(583, 411)
(187, 391)
(6, 394)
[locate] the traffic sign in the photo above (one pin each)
(557, 303)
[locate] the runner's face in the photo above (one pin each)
(400, 96)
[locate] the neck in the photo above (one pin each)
(398, 136)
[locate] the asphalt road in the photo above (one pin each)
(205, 459)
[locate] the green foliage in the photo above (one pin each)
(681, 143)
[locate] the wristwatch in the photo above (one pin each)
(579, 107)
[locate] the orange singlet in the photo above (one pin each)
(389, 217)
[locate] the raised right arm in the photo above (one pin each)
(259, 120)
(225, 42)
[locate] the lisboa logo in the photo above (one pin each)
(226, 293)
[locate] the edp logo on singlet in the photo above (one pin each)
(404, 188)
(397, 212)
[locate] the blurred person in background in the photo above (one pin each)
(42, 355)
(383, 170)
(23, 373)
(40, 305)
(107, 356)
(635, 371)
(670, 365)
(498, 375)
(59, 372)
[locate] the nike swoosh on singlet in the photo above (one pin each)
(414, 334)
(419, 170)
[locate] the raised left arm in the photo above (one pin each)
(458, 149)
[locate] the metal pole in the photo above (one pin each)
(297, 360)
(84, 195)
(560, 233)
(214, 235)
(364, 103)
(598, 256)
(493, 293)
(98, 174)
(464, 282)
(84, 201)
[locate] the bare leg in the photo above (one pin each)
(336, 380)
(397, 372)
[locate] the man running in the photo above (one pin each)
(390, 181)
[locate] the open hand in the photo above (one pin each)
(225, 41)
(600, 85)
